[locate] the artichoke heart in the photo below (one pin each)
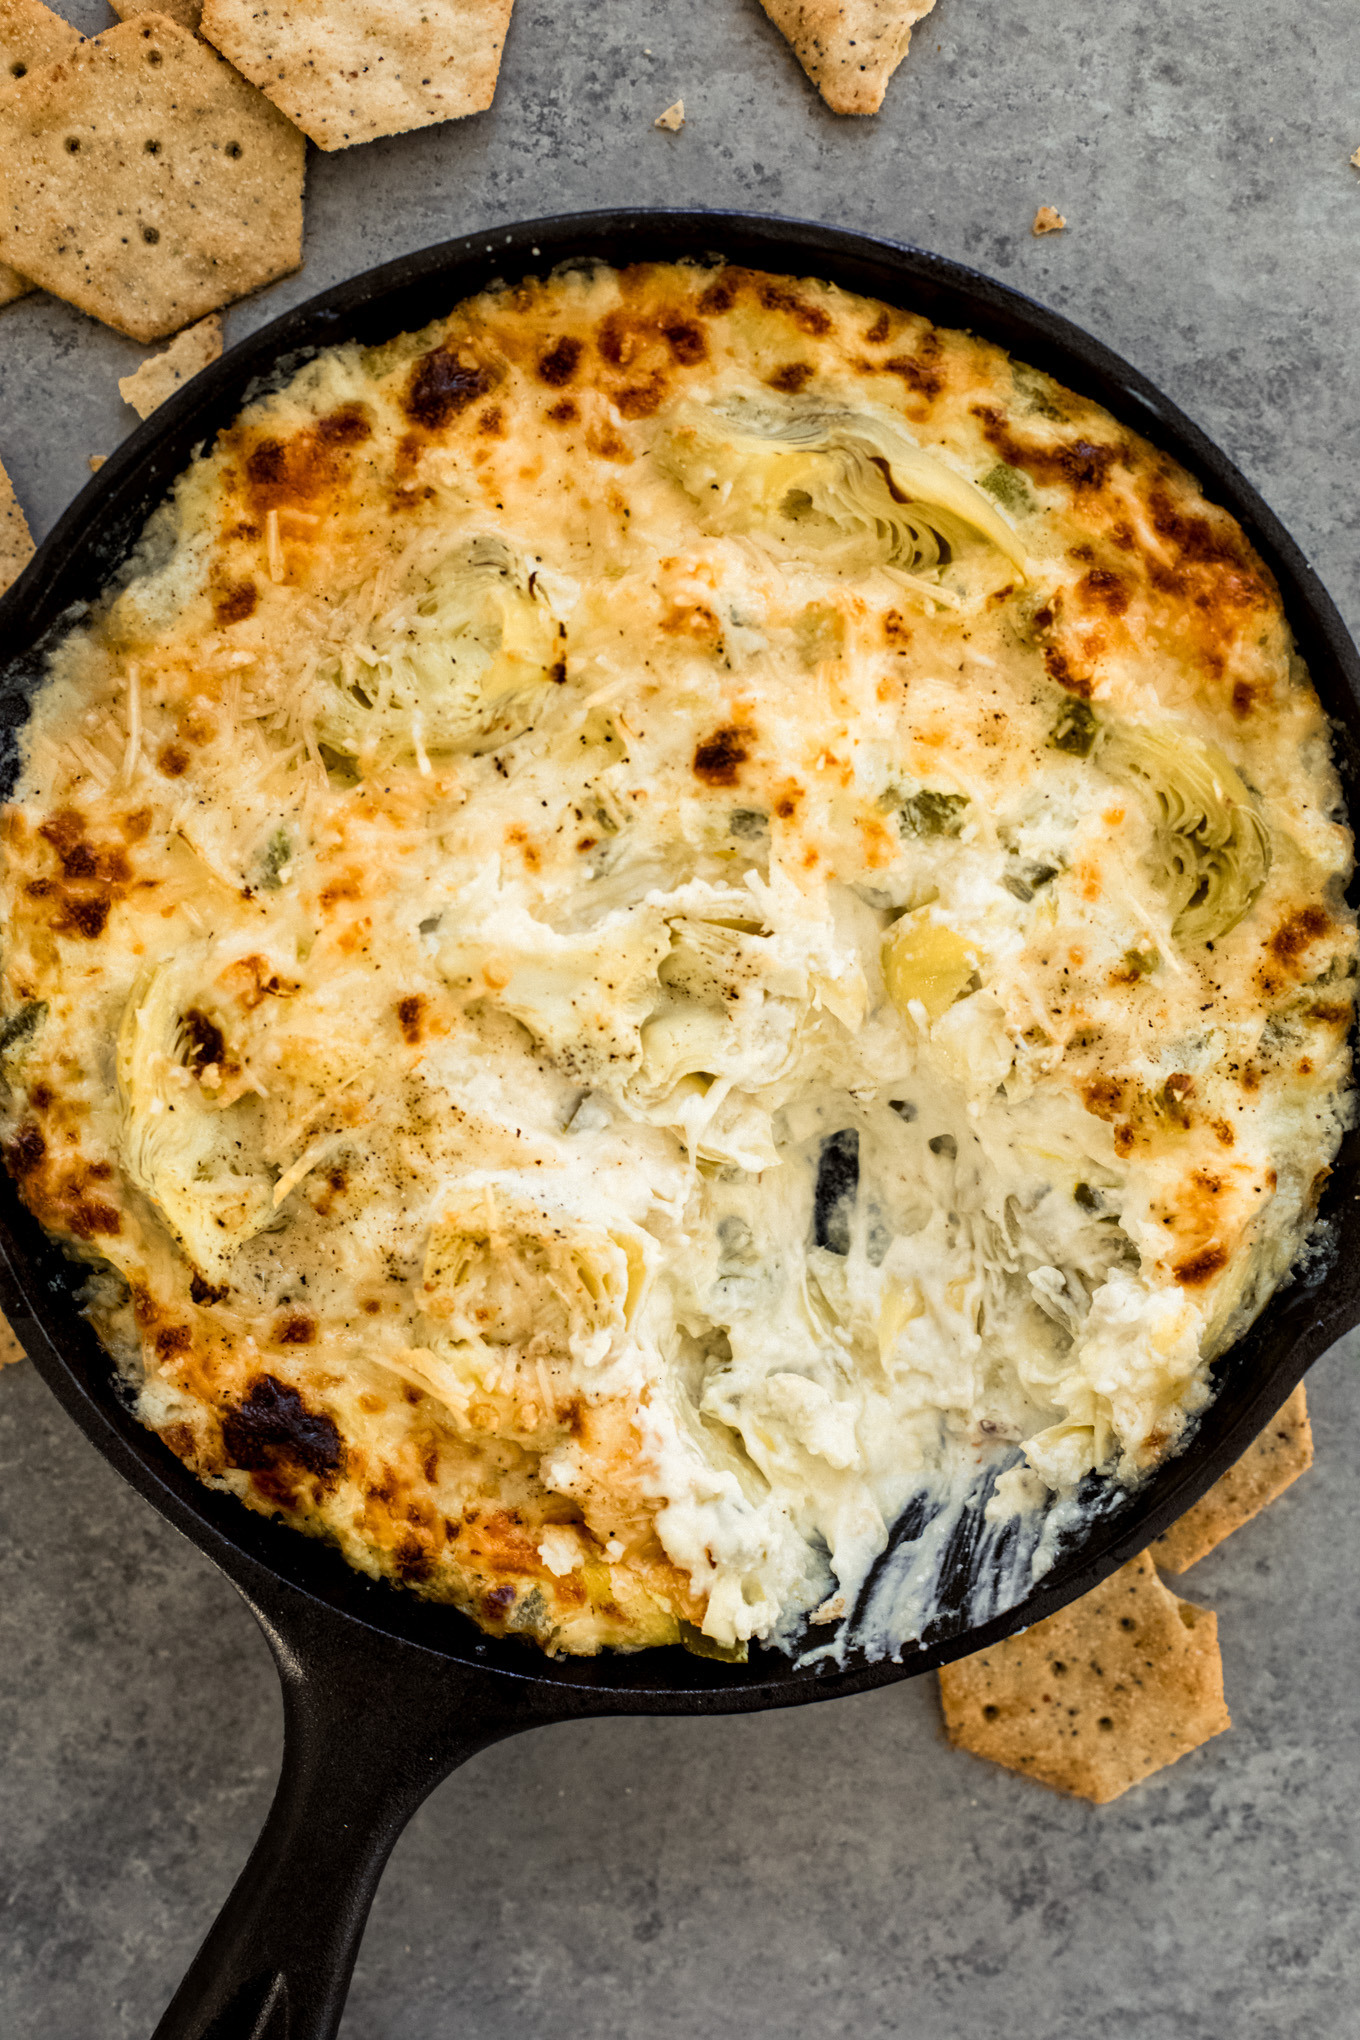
(509, 1265)
(927, 962)
(1213, 846)
(195, 1157)
(461, 660)
(850, 486)
(712, 961)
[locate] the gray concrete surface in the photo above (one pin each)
(836, 1871)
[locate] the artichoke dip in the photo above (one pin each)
(657, 916)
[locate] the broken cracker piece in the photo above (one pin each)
(1048, 220)
(142, 179)
(849, 48)
(16, 540)
(1356, 159)
(12, 285)
(160, 375)
(1098, 1696)
(10, 1349)
(349, 70)
(673, 119)
(1270, 1464)
(186, 12)
(97, 461)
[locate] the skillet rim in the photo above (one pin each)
(277, 1567)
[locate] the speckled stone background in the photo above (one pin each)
(834, 1871)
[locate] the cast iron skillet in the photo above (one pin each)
(384, 1695)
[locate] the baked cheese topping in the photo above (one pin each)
(657, 915)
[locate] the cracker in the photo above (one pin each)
(160, 375)
(186, 12)
(349, 70)
(1097, 1696)
(1048, 220)
(142, 179)
(10, 1349)
(32, 35)
(849, 48)
(1270, 1464)
(673, 119)
(16, 540)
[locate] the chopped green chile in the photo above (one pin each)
(1075, 730)
(277, 856)
(1009, 487)
(929, 813)
(18, 1029)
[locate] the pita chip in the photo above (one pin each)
(849, 48)
(16, 540)
(160, 375)
(1048, 220)
(30, 35)
(1098, 1696)
(185, 12)
(142, 179)
(673, 119)
(349, 70)
(1270, 1464)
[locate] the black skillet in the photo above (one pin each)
(383, 1694)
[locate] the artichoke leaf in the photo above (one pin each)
(849, 485)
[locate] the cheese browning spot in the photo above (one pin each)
(274, 1432)
(718, 758)
(441, 388)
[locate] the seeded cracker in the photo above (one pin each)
(349, 70)
(1097, 1696)
(1269, 1465)
(30, 35)
(160, 375)
(142, 179)
(16, 541)
(849, 48)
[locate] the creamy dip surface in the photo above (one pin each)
(658, 917)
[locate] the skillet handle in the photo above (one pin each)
(371, 1726)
